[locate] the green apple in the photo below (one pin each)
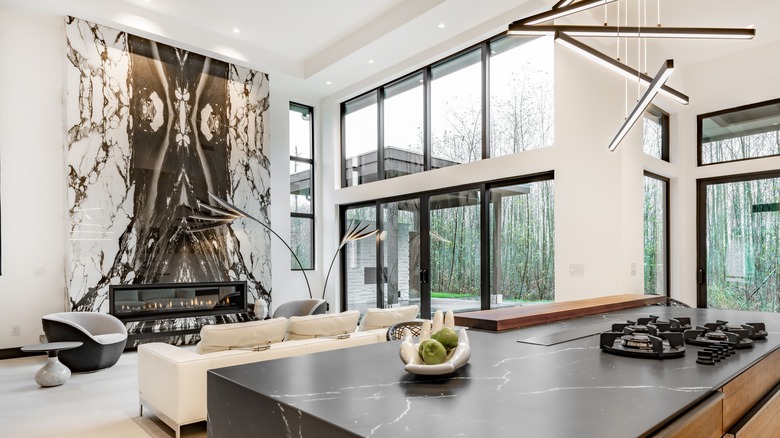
(432, 352)
(447, 337)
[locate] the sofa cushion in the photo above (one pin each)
(241, 335)
(316, 326)
(384, 318)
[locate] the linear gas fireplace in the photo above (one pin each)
(176, 310)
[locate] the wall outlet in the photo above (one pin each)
(16, 330)
(577, 270)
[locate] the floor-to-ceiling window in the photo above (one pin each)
(656, 234)
(739, 248)
(522, 243)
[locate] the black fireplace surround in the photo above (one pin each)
(143, 302)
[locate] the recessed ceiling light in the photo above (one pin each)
(370, 61)
(236, 30)
(328, 83)
(441, 25)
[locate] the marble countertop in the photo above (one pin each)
(508, 388)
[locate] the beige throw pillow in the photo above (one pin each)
(243, 335)
(384, 318)
(317, 326)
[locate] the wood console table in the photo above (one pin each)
(509, 318)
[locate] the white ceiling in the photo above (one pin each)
(303, 44)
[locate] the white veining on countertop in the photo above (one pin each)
(576, 388)
(397, 419)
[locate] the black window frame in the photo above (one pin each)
(667, 232)
(663, 119)
(294, 106)
(700, 130)
(483, 187)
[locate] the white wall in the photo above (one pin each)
(32, 174)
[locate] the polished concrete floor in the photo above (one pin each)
(95, 405)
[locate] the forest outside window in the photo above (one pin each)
(655, 133)
(492, 99)
(751, 131)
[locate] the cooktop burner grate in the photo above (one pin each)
(650, 344)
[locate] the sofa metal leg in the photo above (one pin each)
(140, 409)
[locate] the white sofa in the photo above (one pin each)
(172, 380)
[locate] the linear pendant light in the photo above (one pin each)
(562, 3)
(576, 31)
(618, 67)
(570, 8)
(660, 78)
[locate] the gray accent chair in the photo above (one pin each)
(301, 308)
(103, 335)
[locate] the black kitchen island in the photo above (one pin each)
(509, 388)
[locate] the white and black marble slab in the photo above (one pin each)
(151, 129)
(507, 389)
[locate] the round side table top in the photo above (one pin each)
(51, 346)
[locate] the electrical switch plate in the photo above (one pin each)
(633, 269)
(16, 330)
(577, 270)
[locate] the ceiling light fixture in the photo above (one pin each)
(618, 67)
(236, 30)
(562, 3)
(568, 9)
(328, 83)
(370, 61)
(660, 78)
(441, 25)
(634, 32)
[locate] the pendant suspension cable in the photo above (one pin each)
(644, 3)
(617, 35)
(658, 2)
(638, 46)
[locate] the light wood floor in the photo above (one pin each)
(90, 405)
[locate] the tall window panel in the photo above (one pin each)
(656, 234)
(400, 252)
(655, 133)
(302, 185)
(521, 94)
(522, 244)
(404, 135)
(456, 111)
(360, 139)
(455, 251)
(359, 259)
(739, 242)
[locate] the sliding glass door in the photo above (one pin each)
(455, 251)
(739, 242)
(472, 248)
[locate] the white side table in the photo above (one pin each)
(53, 373)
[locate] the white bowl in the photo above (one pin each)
(456, 358)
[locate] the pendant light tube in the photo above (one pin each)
(622, 69)
(635, 32)
(571, 8)
(655, 86)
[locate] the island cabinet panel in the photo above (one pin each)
(745, 390)
(763, 420)
(705, 420)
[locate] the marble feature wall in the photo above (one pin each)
(151, 129)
